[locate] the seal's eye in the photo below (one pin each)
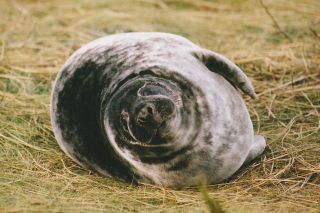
(151, 89)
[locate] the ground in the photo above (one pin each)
(277, 44)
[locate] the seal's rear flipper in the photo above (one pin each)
(256, 149)
(219, 64)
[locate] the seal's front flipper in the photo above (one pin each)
(256, 149)
(219, 64)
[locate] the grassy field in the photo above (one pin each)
(276, 42)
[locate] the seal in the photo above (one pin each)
(154, 108)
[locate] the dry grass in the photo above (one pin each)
(36, 37)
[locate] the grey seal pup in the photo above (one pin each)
(154, 108)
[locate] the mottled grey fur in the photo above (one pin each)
(154, 108)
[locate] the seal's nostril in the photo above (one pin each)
(149, 109)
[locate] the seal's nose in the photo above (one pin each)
(157, 105)
(155, 111)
